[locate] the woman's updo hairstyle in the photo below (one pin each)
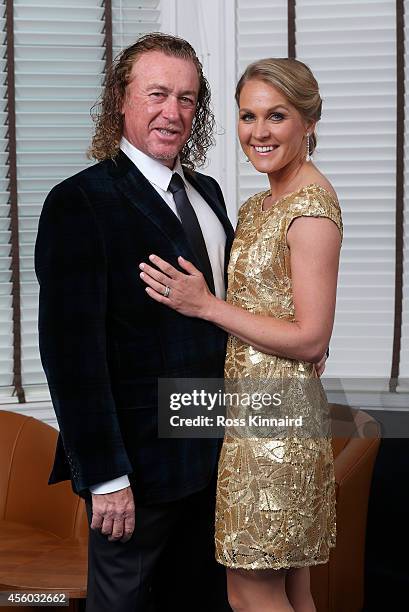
(296, 82)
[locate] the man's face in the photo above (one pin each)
(160, 105)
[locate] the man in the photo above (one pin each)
(104, 343)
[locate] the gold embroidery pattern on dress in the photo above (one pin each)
(276, 497)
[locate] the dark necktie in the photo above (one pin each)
(191, 227)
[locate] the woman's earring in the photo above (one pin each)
(308, 156)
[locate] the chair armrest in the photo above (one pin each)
(353, 475)
(355, 455)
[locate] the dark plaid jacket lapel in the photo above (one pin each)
(141, 195)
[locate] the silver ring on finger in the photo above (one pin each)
(166, 293)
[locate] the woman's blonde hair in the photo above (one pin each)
(296, 82)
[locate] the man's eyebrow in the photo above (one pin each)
(157, 86)
(189, 92)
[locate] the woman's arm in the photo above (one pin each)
(314, 254)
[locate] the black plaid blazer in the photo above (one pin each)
(104, 342)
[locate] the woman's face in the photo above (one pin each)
(271, 131)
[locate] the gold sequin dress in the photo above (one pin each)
(275, 503)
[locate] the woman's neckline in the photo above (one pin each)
(265, 194)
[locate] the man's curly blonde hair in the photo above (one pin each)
(107, 112)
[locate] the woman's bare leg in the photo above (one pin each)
(297, 586)
(257, 591)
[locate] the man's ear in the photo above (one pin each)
(125, 101)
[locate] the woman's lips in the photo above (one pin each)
(265, 149)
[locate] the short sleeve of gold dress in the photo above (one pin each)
(275, 504)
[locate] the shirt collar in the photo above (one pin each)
(158, 174)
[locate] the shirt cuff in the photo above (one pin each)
(110, 486)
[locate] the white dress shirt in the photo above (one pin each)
(213, 232)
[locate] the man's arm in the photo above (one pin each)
(70, 264)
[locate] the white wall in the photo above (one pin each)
(210, 27)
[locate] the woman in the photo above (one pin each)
(275, 513)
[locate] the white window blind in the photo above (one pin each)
(350, 47)
(59, 69)
(130, 19)
(404, 356)
(6, 312)
(59, 49)
(261, 32)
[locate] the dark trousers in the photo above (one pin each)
(167, 565)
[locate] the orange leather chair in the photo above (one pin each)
(338, 586)
(43, 529)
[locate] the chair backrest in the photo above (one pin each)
(27, 449)
(348, 423)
